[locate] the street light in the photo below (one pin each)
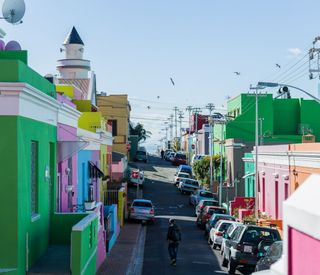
(273, 85)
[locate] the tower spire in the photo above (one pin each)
(73, 38)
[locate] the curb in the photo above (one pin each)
(136, 260)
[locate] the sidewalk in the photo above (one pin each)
(120, 257)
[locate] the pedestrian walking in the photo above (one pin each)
(173, 238)
(162, 153)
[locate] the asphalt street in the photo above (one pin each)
(194, 256)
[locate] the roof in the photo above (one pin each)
(185, 166)
(73, 38)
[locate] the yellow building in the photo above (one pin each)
(116, 111)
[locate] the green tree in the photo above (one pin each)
(201, 169)
(139, 131)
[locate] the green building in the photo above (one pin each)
(28, 226)
(281, 121)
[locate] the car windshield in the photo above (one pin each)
(141, 153)
(184, 170)
(192, 182)
(206, 194)
(224, 226)
(256, 235)
(142, 204)
(183, 176)
(217, 211)
(180, 156)
(210, 203)
(218, 218)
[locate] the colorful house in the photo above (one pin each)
(116, 111)
(281, 121)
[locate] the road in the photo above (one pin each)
(194, 256)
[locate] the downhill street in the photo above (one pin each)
(194, 255)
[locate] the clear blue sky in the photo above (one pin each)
(135, 46)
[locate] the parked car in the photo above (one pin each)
(179, 158)
(141, 155)
(197, 158)
(168, 154)
(188, 186)
(204, 203)
(242, 248)
(206, 214)
(201, 194)
(216, 233)
(229, 232)
(171, 156)
(273, 254)
(141, 210)
(214, 219)
(136, 176)
(179, 176)
(185, 169)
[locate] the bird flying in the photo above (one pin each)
(158, 97)
(148, 107)
(172, 81)
(278, 65)
(237, 73)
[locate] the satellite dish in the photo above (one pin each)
(2, 45)
(13, 10)
(13, 46)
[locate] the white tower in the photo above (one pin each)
(73, 66)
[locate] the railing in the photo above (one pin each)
(111, 197)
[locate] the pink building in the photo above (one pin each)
(67, 147)
(274, 179)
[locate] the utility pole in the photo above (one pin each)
(196, 111)
(189, 109)
(315, 67)
(210, 107)
(256, 177)
(171, 127)
(175, 109)
(180, 121)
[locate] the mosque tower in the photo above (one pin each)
(73, 66)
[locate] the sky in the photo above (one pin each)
(135, 46)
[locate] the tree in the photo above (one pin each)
(201, 168)
(176, 145)
(139, 131)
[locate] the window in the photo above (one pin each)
(263, 194)
(114, 127)
(276, 199)
(236, 233)
(34, 178)
(286, 191)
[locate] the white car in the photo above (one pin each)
(215, 238)
(179, 176)
(188, 186)
(203, 203)
(230, 231)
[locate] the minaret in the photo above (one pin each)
(73, 66)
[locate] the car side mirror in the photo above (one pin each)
(226, 236)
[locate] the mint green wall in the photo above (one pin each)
(84, 247)
(15, 55)
(8, 193)
(61, 227)
(18, 71)
(287, 116)
(310, 114)
(249, 181)
(15, 190)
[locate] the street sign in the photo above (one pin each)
(193, 146)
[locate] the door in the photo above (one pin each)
(276, 199)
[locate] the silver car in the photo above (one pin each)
(141, 210)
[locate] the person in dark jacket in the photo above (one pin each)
(173, 238)
(162, 153)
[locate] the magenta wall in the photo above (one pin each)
(303, 252)
(66, 133)
(65, 100)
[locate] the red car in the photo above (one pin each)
(179, 159)
(207, 212)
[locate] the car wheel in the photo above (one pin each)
(221, 250)
(224, 262)
(210, 241)
(231, 266)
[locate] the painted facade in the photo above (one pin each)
(116, 111)
(29, 116)
(284, 121)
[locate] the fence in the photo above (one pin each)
(111, 197)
